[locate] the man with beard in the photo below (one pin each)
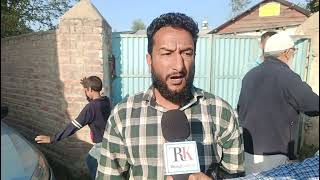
(95, 114)
(132, 146)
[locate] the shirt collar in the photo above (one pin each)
(278, 61)
(259, 60)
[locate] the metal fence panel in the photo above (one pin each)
(231, 55)
(221, 63)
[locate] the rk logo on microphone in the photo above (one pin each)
(181, 157)
(182, 153)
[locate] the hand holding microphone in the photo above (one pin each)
(196, 176)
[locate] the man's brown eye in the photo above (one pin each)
(188, 53)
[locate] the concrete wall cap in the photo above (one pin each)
(84, 9)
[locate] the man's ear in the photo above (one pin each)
(287, 54)
(261, 45)
(149, 60)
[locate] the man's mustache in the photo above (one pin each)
(183, 74)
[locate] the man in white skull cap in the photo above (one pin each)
(272, 97)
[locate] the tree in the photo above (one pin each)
(238, 6)
(138, 25)
(312, 5)
(23, 16)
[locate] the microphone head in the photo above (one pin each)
(175, 126)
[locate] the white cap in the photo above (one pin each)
(278, 42)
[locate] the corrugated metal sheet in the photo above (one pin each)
(132, 72)
(300, 59)
(202, 62)
(231, 55)
(221, 63)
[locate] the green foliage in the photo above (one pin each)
(238, 6)
(312, 5)
(23, 16)
(10, 18)
(138, 25)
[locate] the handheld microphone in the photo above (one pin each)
(180, 156)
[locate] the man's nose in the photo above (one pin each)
(178, 62)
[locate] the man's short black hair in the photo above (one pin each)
(92, 82)
(176, 20)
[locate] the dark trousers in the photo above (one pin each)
(92, 164)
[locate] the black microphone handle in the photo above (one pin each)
(175, 128)
(181, 177)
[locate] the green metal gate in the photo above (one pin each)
(221, 63)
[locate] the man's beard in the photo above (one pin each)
(182, 96)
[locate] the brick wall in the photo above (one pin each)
(40, 80)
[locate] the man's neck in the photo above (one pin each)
(96, 95)
(164, 102)
(283, 59)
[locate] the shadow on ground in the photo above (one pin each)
(61, 172)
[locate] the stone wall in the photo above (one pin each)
(40, 80)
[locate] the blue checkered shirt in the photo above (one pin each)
(306, 170)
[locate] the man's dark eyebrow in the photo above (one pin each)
(166, 49)
(188, 49)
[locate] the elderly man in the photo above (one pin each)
(271, 98)
(251, 64)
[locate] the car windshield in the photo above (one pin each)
(18, 158)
